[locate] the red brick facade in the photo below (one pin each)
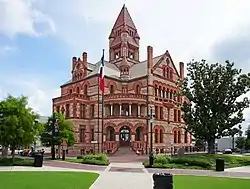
(132, 87)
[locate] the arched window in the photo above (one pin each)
(175, 136)
(168, 73)
(167, 93)
(164, 71)
(155, 90)
(179, 136)
(160, 91)
(110, 134)
(161, 136)
(138, 134)
(78, 90)
(85, 90)
(137, 90)
(163, 92)
(111, 89)
(156, 135)
(70, 91)
(171, 75)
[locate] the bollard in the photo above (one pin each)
(163, 181)
(151, 160)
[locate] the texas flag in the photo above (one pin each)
(101, 74)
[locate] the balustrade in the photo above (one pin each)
(70, 96)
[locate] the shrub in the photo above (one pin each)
(95, 159)
(161, 159)
(191, 162)
(17, 162)
(79, 157)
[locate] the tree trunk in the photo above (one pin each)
(211, 146)
(59, 151)
(13, 154)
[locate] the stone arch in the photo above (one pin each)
(127, 124)
(70, 89)
(85, 87)
(110, 133)
(109, 124)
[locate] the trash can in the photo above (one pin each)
(163, 181)
(220, 164)
(38, 160)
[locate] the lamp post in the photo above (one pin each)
(151, 155)
(36, 123)
(55, 129)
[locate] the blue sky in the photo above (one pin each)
(38, 38)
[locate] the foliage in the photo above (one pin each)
(213, 107)
(240, 142)
(66, 132)
(93, 159)
(198, 161)
(49, 180)
(17, 123)
(17, 162)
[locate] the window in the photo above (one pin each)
(156, 135)
(67, 111)
(70, 91)
(137, 90)
(161, 136)
(179, 136)
(175, 115)
(163, 92)
(85, 91)
(179, 116)
(155, 90)
(124, 89)
(164, 71)
(167, 93)
(175, 136)
(160, 91)
(156, 112)
(171, 74)
(78, 90)
(161, 112)
(186, 137)
(82, 135)
(168, 73)
(111, 89)
(58, 109)
(92, 111)
(82, 110)
(92, 134)
(171, 94)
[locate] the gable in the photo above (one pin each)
(165, 63)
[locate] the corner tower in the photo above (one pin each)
(124, 41)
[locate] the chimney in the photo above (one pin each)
(73, 62)
(181, 70)
(84, 59)
(150, 58)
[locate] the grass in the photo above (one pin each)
(48, 180)
(17, 162)
(92, 159)
(197, 182)
(206, 161)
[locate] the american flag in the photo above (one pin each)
(101, 74)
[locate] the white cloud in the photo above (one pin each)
(39, 91)
(7, 50)
(19, 17)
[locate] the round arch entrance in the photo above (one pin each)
(125, 136)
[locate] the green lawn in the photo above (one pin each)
(47, 180)
(198, 182)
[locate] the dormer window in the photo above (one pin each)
(78, 90)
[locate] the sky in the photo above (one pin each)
(38, 38)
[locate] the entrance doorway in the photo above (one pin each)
(124, 136)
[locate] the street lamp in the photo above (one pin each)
(36, 124)
(151, 155)
(54, 127)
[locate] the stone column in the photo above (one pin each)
(120, 109)
(139, 110)
(117, 137)
(130, 110)
(111, 109)
(133, 137)
(104, 137)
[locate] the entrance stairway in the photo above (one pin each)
(124, 150)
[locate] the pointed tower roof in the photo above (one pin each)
(124, 19)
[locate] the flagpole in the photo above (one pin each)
(98, 107)
(103, 110)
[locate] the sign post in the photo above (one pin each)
(64, 148)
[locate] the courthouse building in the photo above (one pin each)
(132, 88)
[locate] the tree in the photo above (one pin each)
(247, 144)
(213, 106)
(17, 123)
(66, 132)
(240, 143)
